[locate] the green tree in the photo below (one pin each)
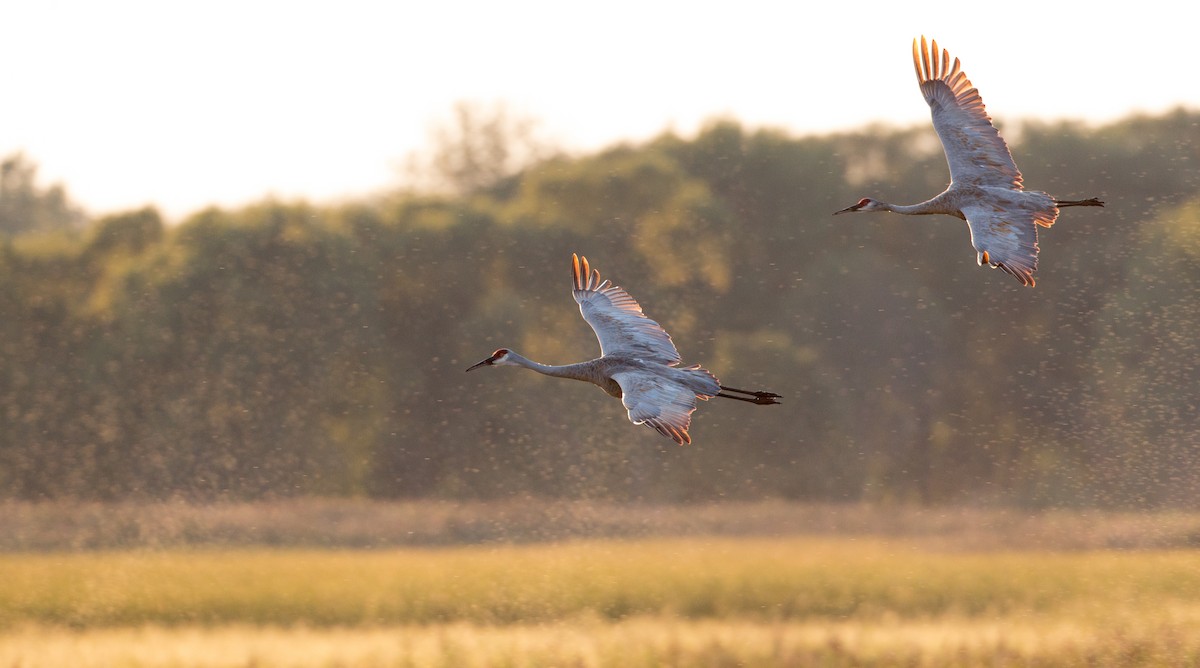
(26, 207)
(1143, 443)
(288, 348)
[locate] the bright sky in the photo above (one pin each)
(131, 102)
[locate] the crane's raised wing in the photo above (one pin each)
(618, 320)
(657, 402)
(974, 149)
(1006, 239)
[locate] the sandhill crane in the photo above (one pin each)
(637, 362)
(985, 186)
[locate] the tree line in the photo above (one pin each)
(290, 348)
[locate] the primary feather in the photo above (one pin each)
(975, 152)
(617, 318)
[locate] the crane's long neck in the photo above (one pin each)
(580, 371)
(925, 208)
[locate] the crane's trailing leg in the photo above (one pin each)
(761, 398)
(1079, 202)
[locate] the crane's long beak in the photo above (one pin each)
(848, 209)
(486, 362)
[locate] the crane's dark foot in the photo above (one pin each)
(754, 397)
(1079, 202)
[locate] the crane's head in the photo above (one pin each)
(864, 204)
(498, 358)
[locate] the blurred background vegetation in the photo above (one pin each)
(290, 349)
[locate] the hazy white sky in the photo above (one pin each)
(130, 102)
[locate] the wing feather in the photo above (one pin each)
(657, 402)
(975, 151)
(1005, 240)
(617, 318)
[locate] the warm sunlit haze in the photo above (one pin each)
(236, 427)
(135, 102)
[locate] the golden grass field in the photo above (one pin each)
(695, 600)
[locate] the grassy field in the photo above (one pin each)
(708, 601)
(633, 643)
(361, 523)
(359, 584)
(697, 578)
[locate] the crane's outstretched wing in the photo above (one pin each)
(974, 149)
(657, 402)
(1006, 239)
(618, 320)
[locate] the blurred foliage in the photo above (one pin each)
(27, 207)
(480, 146)
(288, 349)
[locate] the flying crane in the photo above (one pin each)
(637, 363)
(985, 185)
